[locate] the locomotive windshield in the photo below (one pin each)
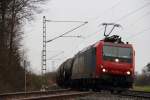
(113, 52)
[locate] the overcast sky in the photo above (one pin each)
(132, 15)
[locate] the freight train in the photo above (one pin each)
(107, 64)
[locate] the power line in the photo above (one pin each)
(45, 40)
(78, 36)
(65, 21)
(137, 20)
(93, 33)
(112, 7)
(139, 33)
(67, 32)
(104, 24)
(54, 59)
(128, 14)
(54, 56)
(132, 12)
(148, 13)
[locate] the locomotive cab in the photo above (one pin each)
(117, 58)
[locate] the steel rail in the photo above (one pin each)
(59, 96)
(17, 95)
(134, 93)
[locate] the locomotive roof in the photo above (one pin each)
(106, 43)
(112, 44)
(113, 40)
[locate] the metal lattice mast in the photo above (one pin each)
(44, 54)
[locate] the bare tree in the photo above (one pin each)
(12, 15)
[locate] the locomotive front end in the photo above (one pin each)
(116, 65)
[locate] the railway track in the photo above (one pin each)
(128, 93)
(139, 94)
(63, 94)
(20, 95)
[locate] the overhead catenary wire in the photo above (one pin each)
(54, 56)
(78, 21)
(93, 33)
(67, 32)
(65, 21)
(78, 36)
(125, 16)
(132, 12)
(62, 35)
(139, 19)
(112, 7)
(139, 33)
(136, 21)
(128, 14)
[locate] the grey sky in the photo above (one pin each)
(133, 15)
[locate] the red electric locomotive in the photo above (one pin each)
(107, 64)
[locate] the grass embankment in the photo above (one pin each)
(142, 88)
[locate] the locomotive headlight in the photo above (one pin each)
(116, 60)
(104, 70)
(128, 72)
